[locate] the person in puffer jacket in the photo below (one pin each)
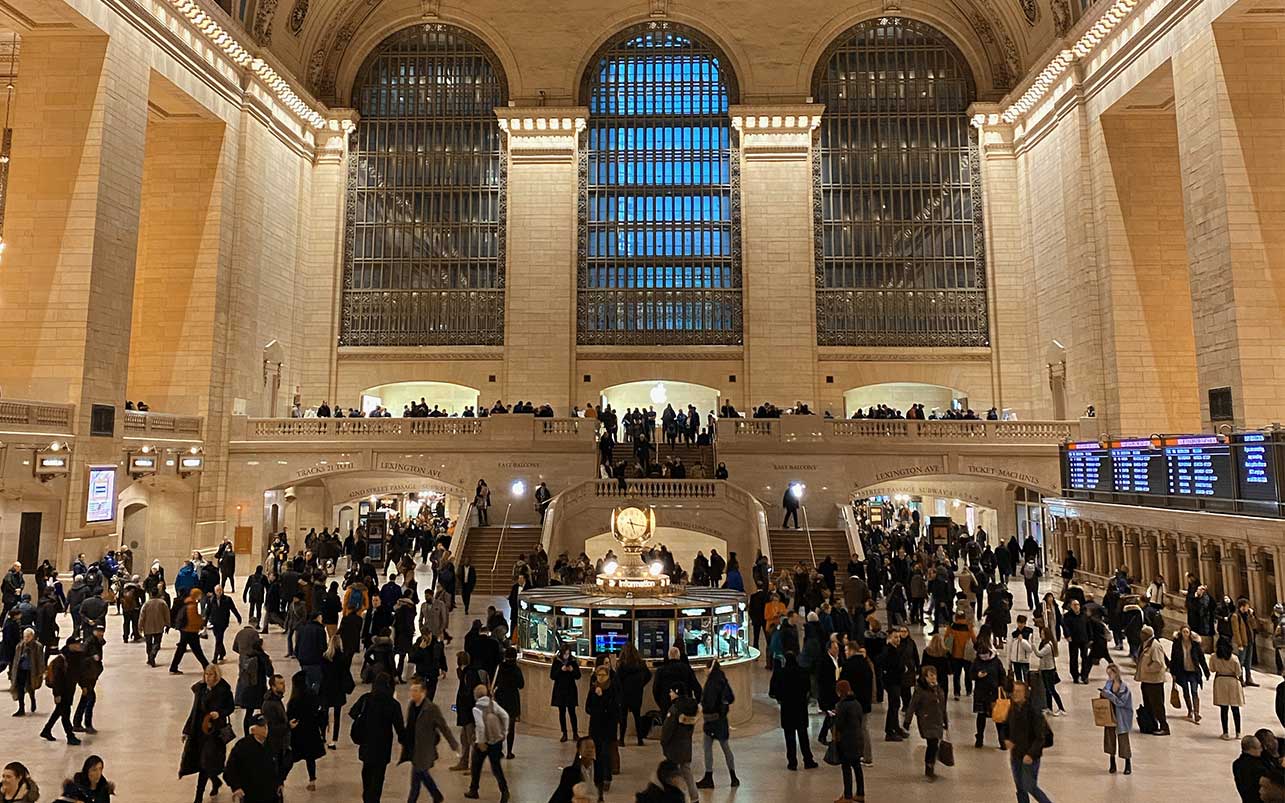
(676, 735)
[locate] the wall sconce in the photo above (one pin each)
(53, 461)
(143, 462)
(191, 462)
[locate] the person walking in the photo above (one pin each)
(63, 675)
(490, 724)
(509, 683)
(377, 720)
(469, 678)
(189, 623)
(252, 770)
(1189, 669)
(1229, 692)
(1115, 737)
(988, 679)
(632, 676)
(89, 785)
(1075, 623)
(153, 621)
(928, 708)
(307, 726)
(1046, 655)
(716, 704)
(253, 593)
(676, 736)
(27, 671)
(790, 688)
(336, 684)
(564, 673)
(429, 658)
(849, 742)
(1150, 673)
(1027, 733)
(254, 670)
(207, 731)
(220, 611)
(425, 726)
(577, 777)
(482, 502)
(467, 576)
(90, 671)
(603, 707)
(279, 725)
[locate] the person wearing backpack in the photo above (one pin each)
(676, 735)
(377, 718)
(716, 703)
(490, 726)
(188, 622)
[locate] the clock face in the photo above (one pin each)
(632, 523)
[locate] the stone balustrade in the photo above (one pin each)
(812, 428)
(36, 417)
(510, 427)
(162, 425)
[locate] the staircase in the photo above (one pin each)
(791, 546)
(481, 547)
(691, 455)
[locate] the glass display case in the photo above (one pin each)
(707, 623)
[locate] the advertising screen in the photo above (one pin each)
(100, 499)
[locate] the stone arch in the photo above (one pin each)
(993, 57)
(721, 44)
(349, 38)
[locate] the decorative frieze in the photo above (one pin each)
(776, 132)
(542, 134)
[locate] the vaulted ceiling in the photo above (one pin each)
(545, 46)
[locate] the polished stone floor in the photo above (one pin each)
(140, 714)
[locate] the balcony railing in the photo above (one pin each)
(499, 427)
(162, 425)
(813, 428)
(32, 416)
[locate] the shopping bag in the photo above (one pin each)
(946, 753)
(1103, 713)
(1175, 699)
(999, 712)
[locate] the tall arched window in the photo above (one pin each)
(424, 259)
(660, 215)
(900, 249)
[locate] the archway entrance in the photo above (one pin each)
(657, 393)
(396, 396)
(900, 395)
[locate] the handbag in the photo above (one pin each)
(226, 734)
(832, 754)
(946, 753)
(1103, 713)
(999, 711)
(1175, 699)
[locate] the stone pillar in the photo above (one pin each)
(1233, 179)
(1101, 534)
(1185, 564)
(1115, 555)
(1209, 574)
(541, 265)
(1012, 377)
(71, 234)
(321, 276)
(1230, 566)
(1148, 548)
(1132, 553)
(1168, 548)
(778, 269)
(1257, 591)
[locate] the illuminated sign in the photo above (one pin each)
(100, 499)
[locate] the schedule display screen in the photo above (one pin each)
(1138, 467)
(1255, 466)
(1199, 465)
(1088, 467)
(1215, 473)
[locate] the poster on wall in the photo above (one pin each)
(100, 499)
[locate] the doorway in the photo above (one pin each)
(29, 541)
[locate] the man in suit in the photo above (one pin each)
(827, 671)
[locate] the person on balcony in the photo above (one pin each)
(790, 501)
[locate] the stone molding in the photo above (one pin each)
(542, 134)
(776, 132)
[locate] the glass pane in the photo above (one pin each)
(424, 260)
(901, 257)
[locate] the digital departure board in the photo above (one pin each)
(1215, 473)
(1088, 467)
(1255, 467)
(1138, 467)
(1199, 465)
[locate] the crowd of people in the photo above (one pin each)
(840, 638)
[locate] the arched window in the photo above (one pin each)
(660, 218)
(424, 259)
(900, 249)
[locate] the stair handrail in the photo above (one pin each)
(500, 544)
(462, 525)
(848, 520)
(808, 532)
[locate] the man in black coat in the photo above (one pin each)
(789, 687)
(251, 768)
(378, 720)
(827, 672)
(11, 587)
(65, 669)
(310, 644)
(219, 616)
(673, 673)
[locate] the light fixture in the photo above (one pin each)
(796, 489)
(656, 568)
(610, 567)
(518, 488)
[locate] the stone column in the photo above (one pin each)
(1148, 549)
(1101, 535)
(1209, 574)
(1132, 553)
(1115, 555)
(541, 264)
(71, 234)
(1233, 179)
(1230, 566)
(1257, 591)
(1185, 563)
(778, 269)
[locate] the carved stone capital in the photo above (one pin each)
(776, 132)
(542, 133)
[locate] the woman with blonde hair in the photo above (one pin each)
(1115, 737)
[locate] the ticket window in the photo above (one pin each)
(696, 631)
(573, 628)
(611, 635)
(655, 632)
(729, 632)
(536, 630)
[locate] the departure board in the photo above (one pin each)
(1089, 467)
(1255, 467)
(1199, 466)
(1138, 467)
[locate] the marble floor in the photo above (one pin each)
(140, 713)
